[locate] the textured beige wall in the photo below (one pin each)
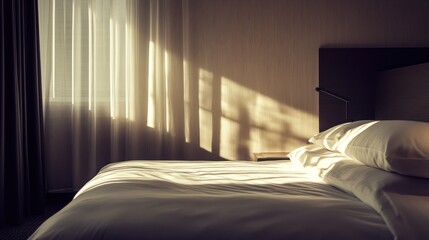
(255, 63)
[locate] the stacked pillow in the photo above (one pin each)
(329, 138)
(392, 145)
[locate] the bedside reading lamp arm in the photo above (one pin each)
(346, 101)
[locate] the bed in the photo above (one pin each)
(211, 200)
(327, 191)
(366, 179)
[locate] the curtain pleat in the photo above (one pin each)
(22, 181)
(113, 85)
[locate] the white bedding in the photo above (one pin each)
(402, 201)
(212, 200)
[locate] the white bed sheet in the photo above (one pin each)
(402, 201)
(212, 200)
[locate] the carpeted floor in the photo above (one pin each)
(30, 225)
(55, 202)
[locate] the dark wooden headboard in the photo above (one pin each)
(373, 80)
(403, 93)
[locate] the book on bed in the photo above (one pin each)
(267, 156)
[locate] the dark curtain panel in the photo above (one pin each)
(22, 183)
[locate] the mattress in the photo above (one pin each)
(212, 200)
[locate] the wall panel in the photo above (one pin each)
(268, 52)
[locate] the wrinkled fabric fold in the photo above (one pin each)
(402, 201)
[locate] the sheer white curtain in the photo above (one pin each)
(114, 77)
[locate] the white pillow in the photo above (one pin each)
(317, 160)
(330, 137)
(396, 146)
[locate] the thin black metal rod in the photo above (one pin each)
(337, 97)
(332, 95)
(347, 111)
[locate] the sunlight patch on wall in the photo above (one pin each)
(235, 126)
(232, 145)
(252, 122)
(205, 94)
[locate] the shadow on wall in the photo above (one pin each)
(243, 150)
(235, 121)
(179, 105)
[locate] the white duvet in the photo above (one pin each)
(402, 201)
(212, 200)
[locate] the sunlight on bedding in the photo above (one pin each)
(317, 160)
(350, 135)
(200, 173)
